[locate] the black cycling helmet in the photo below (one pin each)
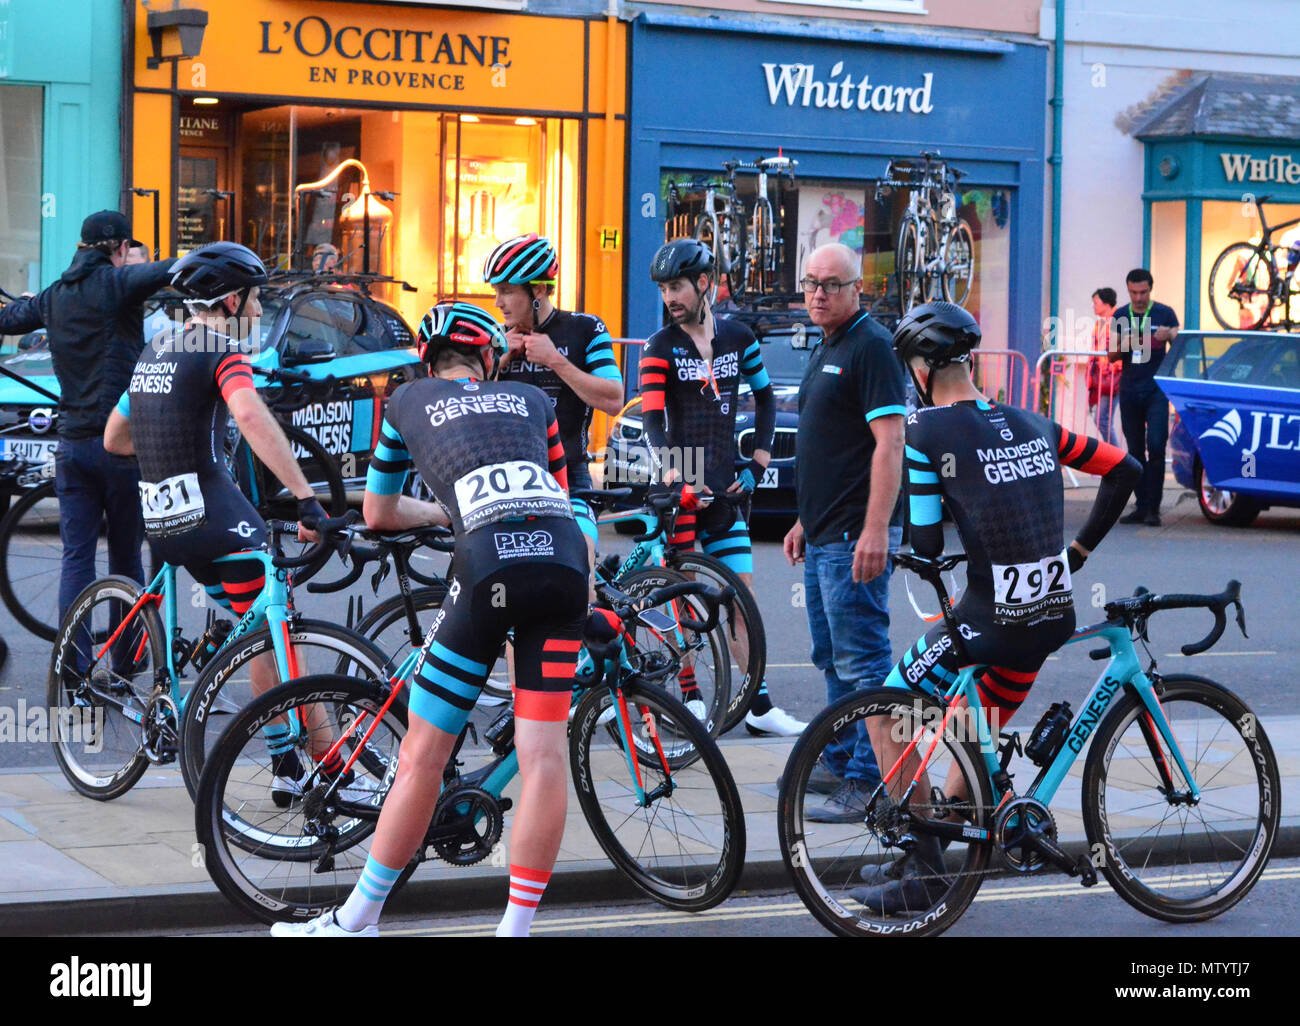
(682, 258)
(216, 270)
(940, 334)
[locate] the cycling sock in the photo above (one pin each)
(762, 703)
(367, 898)
(690, 689)
(526, 888)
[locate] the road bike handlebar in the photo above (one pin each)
(1137, 609)
(625, 607)
(438, 538)
(327, 528)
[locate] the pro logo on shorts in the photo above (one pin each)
(511, 544)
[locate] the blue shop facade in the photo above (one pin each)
(843, 102)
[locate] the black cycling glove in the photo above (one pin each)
(1075, 558)
(311, 511)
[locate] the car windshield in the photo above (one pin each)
(785, 364)
(270, 308)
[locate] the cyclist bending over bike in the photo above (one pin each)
(173, 418)
(1001, 482)
(492, 454)
(690, 386)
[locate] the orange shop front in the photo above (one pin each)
(446, 129)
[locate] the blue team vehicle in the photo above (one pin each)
(1236, 439)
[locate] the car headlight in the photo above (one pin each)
(632, 430)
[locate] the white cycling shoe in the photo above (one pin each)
(775, 721)
(324, 925)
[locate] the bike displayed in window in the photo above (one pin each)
(1249, 281)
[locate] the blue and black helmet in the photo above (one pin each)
(461, 324)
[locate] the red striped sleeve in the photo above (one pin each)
(654, 383)
(233, 373)
(1091, 455)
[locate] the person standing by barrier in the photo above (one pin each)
(95, 319)
(1140, 335)
(1103, 376)
(850, 446)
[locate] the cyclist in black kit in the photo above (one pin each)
(567, 355)
(691, 373)
(1001, 482)
(491, 452)
(173, 417)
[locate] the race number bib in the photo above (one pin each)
(1028, 587)
(172, 506)
(515, 488)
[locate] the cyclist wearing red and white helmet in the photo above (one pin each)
(492, 455)
(567, 355)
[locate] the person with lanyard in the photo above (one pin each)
(491, 453)
(850, 446)
(1142, 332)
(568, 356)
(691, 372)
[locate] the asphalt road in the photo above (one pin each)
(1044, 905)
(1187, 554)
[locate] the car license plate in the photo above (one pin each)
(769, 478)
(33, 450)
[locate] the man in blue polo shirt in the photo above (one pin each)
(850, 446)
(1140, 337)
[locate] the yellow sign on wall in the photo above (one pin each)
(392, 55)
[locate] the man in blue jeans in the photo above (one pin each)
(95, 319)
(850, 446)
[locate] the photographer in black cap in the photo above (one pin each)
(95, 321)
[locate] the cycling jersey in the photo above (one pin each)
(584, 341)
(997, 469)
(689, 406)
(491, 453)
(193, 509)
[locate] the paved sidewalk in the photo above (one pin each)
(69, 864)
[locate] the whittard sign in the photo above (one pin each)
(798, 85)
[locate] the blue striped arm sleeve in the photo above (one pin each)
(124, 405)
(925, 507)
(600, 358)
(389, 463)
(751, 366)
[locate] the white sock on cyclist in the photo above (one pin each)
(526, 888)
(367, 898)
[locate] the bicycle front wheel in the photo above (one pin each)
(99, 693)
(279, 838)
(958, 264)
(745, 638)
(703, 659)
(1166, 855)
(676, 831)
(1241, 288)
(227, 684)
(826, 853)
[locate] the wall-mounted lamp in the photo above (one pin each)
(176, 34)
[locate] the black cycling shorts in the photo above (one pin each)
(529, 575)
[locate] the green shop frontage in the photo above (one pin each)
(1222, 161)
(60, 124)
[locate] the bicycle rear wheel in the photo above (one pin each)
(825, 858)
(281, 855)
(1241, 288)
(686, 847)
(1175, 860)
(98, 699)
(908, 267)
